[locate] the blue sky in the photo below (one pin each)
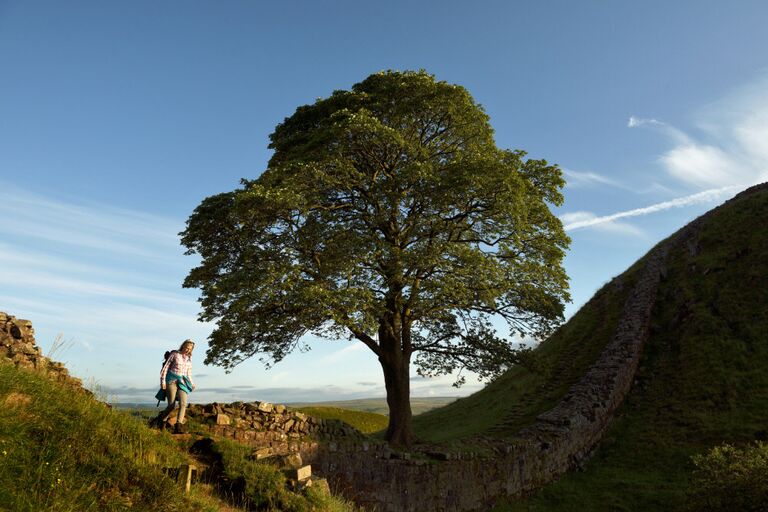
(117, 119)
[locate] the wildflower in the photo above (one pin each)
(5, 452)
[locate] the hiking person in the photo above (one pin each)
(176, 380)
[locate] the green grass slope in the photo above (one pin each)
(419, 404)
(365, 422)
(703, 379)
(61, 450)
(517, 397)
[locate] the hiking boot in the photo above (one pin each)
(180, 428)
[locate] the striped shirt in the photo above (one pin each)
(178, 363)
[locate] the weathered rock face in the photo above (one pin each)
(18, 347)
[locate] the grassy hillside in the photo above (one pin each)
(419, 404)
(517, 397)
(61, 450)
(703, 379)
(366, 422)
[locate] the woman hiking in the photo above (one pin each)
(176, 380)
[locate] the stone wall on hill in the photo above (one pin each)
(18, 347)
(560, 439)
(276, 430)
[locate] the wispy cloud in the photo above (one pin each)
(96, 227)
(578, 179)
(732, 148)
(732, 156)
(673, 133)
(584, 219)
(343, 354)
(612, 226)
(108, 278)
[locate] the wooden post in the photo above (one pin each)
(185, 476)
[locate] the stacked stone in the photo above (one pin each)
(18, 347)
(273, 430)
(265, 417)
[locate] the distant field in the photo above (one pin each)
(379, 405)
(375, 405)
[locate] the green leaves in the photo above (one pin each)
(384, 207)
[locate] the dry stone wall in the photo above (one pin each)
(377, 478)
(276, 430)
(557, 441)
(18, 347)
(560, 439)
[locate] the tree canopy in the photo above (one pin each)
(386, 215)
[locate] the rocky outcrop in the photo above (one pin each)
(18, 347)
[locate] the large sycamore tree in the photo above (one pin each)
(386, 215)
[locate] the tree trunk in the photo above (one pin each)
(398, 384)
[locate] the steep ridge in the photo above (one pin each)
(562, 437)
(703, 379)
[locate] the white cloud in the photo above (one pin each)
(735, 146)
(580, 220)
(587, 179)
(701, 165)
(636, 121)
(343, 354)
(673, 133)
(94, 227)
(609, 226)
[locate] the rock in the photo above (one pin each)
(265, 407)
(261, 453)
(17, 400)
(223, 419)
(288, 424)
(321, 485)
(291, 460)
(280, 409)
(299, 474)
